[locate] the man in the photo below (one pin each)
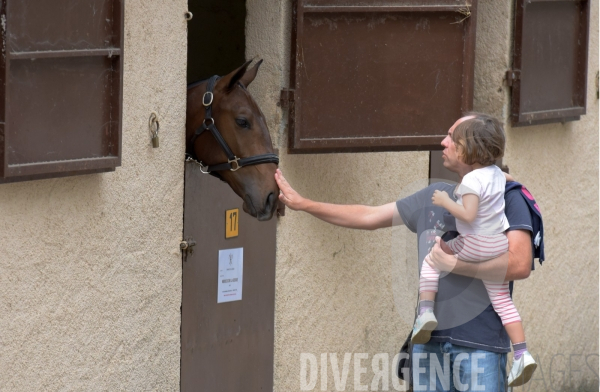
(468, 350)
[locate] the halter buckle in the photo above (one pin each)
(232, 161)
(207, 99)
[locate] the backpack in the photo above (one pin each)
(536, 219)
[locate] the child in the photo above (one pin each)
(480, 220)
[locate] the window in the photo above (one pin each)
(380, 77)
(61, 88)
(549, 75)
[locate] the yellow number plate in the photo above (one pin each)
(231, 223)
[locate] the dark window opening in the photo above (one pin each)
(216, 38)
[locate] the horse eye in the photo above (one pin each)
(242, 122)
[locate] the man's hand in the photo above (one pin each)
(508, 177)
(439, 259)
(439, 198)
(288, 195)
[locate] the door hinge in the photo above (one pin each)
(286, 96)
(187, 246)
(512, 75)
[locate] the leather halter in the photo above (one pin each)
(233, 163)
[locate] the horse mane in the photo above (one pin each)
(194, 84)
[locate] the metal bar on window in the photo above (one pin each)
(64, 53)
(548, 1)
(60, 166)
(385, 8)
(542, 115)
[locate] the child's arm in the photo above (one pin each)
(467, 212)
(508, 177)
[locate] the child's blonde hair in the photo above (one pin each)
(479, 139)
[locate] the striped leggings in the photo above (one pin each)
(476, 248)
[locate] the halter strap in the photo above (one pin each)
(233, 163)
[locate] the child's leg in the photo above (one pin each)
(446, 248)
(426, 321)
(505, 307)
(428, 283)
(523, 364)
(428, 287)
(478, 248)
(515, 332)
(502, 303)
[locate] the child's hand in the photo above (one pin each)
(439, 198)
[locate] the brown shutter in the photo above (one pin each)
(549, 75)
(390, 75)
(61, 88)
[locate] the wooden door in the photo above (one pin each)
(225, 346)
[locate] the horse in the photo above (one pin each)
(227, 135)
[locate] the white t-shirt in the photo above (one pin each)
(488, 183)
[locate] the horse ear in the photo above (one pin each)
(250, 74)
(229, 81)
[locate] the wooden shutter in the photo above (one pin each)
(378, 75)
(61, 90)
(549, 75)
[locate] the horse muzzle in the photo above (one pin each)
(269, 205)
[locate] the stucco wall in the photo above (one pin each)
(90, 268)
(559, 165)
(334, 286)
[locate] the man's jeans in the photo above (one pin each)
(448, 367)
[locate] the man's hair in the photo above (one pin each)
(479, 139)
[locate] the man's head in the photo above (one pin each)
(449, 155)
(479, 139)
(474, 138)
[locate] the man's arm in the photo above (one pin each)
(351, 216)
(513, 265)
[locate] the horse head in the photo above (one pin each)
(242, 126)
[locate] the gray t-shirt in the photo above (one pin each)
(462, 307)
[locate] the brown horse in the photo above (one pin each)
(239, 120)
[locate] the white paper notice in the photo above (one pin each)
(231, 272)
